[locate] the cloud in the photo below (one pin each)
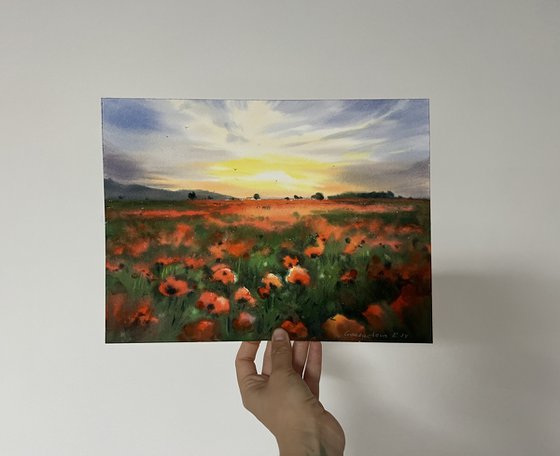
(178, 143)
(122, 168)
(129, 114)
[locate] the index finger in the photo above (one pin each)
(312, 374)
(245, 360)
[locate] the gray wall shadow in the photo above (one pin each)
(488, 385)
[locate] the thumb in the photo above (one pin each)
(281, 352)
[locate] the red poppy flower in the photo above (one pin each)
(165, 261)
(194, 263)
(173, 287)
(295, 330)
(122, 312)
(244, 321)
(409, 297)
(244, 295)
(202, 330)
(341, 328)
(264, 292)
(224, 275)
(375, 316)
(213, 303)
(143, 270)
(113, 267)
(143, 315)
(115, 307)
(349, 276)
(298, 276)
(290, 262)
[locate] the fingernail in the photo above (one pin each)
(279, 334)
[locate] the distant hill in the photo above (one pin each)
(115, 191)
(345, 195)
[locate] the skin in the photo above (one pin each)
(285, 396)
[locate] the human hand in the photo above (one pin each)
(285, 396)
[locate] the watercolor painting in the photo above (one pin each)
(226, 219)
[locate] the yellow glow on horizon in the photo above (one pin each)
(272, 175)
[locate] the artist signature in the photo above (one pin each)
(376, 335)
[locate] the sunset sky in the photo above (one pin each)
(274, 148)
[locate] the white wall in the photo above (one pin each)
(489, 385)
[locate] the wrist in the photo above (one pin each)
(310, 440)
(300, 444)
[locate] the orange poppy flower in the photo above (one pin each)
(118, 250)
(341, 328)
(181, 236)
(290, 262)
(113, 267)
(217, 251)
(272, 281)
(224, 275)
(295, 330)
(202, 330)
(314, 251)
(194, 263)
(353, 243)
(298, 276)
(139, 247)
(375, 316)
(239, 249)
(244, 321)
(325, 230)
(213, 303)
(173, 287)
(349, 276)
(218, 266)
(243, 294)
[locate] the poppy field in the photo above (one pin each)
(207, 270)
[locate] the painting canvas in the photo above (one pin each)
(226, 219)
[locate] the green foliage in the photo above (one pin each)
(312, 304)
